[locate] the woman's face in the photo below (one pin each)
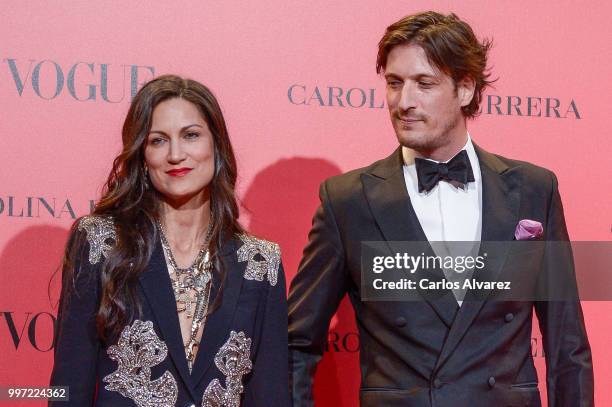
(179, 151)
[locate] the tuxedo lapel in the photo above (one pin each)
(500, 209)
(157, 286)
(217, 328)
(385, 191)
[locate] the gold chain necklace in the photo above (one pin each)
(195, 278)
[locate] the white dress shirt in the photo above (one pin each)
(446, 212)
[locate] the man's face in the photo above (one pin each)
(424, 104)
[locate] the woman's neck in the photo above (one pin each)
(186, 225)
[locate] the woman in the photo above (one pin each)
(166, 301)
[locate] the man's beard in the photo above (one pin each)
(428, 142)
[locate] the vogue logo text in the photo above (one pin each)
(80, 81)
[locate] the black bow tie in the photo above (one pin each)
(430, 172)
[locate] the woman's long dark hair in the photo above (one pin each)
(132, 202)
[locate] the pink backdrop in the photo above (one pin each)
(68, 69)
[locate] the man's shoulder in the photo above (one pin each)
(351, 177)
(349, 183)
(530, 172)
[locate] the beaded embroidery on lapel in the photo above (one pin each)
(233, 361)
(262, 257)
(138, 349)
(99, 230)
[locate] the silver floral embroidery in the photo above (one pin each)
(262, 258)
(99, 231)
(233, 361)
(138, 349)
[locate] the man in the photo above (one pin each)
(441, 351)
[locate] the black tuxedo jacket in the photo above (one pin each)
(432, 352)
(242, 359)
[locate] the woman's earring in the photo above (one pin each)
(146, 177)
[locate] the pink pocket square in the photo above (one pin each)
(528, 229)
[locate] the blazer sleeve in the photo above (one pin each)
(268, 384)
(569, 369)
(77, 343)
(316, 291)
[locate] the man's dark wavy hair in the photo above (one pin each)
(450, 45)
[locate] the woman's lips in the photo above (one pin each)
(178, 172)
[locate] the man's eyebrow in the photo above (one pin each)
(391, 76)
(416, 77)
(426, 76)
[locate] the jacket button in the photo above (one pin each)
(491, 381)
(509, 317)
(437, 383)
(400, 322)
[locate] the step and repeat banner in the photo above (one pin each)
(299, 90)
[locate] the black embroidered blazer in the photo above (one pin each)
(242, 359)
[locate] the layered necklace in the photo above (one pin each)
(191, 287)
